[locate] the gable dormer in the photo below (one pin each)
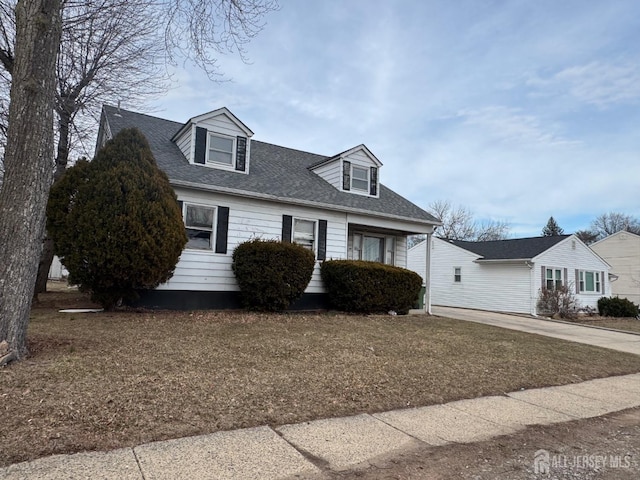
(217, 140)
(355, 171)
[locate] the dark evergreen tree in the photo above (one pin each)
(115, 221)
(551, 229)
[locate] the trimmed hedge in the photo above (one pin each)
(271, 274)
(370, 287)
(617, 307)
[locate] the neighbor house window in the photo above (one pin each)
(199, 226)
(360, 178)
(457, 274)
(304, 233)
(220, 149)
(590, 282)
(373, 248)
(553, 278)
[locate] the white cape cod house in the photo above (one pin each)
(232, 188)
(507, 275)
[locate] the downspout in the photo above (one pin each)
(427, 277)
(532, 309)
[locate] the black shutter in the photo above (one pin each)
(373, 184)
(241, 154)
(180, 202)
(222, 229)
(287, 223)
(201, 145)
(322, 240)
(346, 175)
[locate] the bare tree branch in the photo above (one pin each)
(459, 224)
(613, 222)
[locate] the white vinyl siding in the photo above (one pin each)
(199, 270)
(622, 251)
(332, 173)
(503, 287)
(573, 255)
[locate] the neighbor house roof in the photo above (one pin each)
(513, 249)
(276, 173)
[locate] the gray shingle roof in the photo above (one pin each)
(518, 248)
(275, 172)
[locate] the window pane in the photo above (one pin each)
(304, 233)
(221, 143)
(589, 281)
(357, 247)
(199, 217)
(199, 239)
(373, 249)
(360, 178)
(220, 157)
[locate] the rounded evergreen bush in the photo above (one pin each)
(115, 221)
(271, 274)
(617, 307)
(370, 287)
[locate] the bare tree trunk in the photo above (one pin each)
(62, 159)
(28, 163)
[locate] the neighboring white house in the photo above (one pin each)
(622, 251)
(507, 275)
(232, 188)
(57, 270)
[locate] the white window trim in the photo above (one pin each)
(554, 271)
(315, 232)
(389, 256)
(213, 226)
(229, 166)
(457, 275)
(367, 171)
(582, 282)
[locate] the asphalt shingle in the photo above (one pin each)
(277, 172)
(519, 248)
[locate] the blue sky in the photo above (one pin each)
(516, 109)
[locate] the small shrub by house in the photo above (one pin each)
(559, 301)
(617, 307)
(370, 287)
(271, 274)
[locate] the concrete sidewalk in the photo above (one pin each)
(623, 342)
(308, 450)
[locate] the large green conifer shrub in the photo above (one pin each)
(115, 221)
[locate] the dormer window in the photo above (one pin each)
(360, 178)
(220, 149)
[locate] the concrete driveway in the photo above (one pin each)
(623, 342)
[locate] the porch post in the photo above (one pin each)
(427, 276)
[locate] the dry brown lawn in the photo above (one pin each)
(108, 380)
(623, 324)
